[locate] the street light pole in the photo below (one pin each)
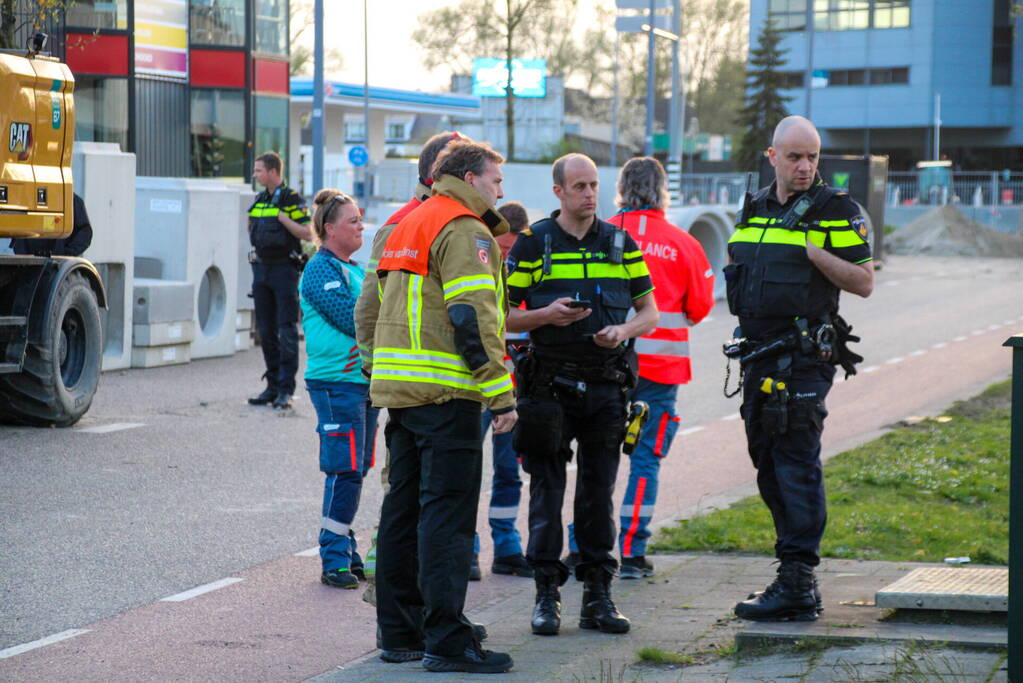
(651, 68)
(678, 91)
(317, 113)
(365, 99)
(614, 104)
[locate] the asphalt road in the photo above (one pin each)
(203, 487)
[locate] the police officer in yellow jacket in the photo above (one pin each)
(579, 277)
(797, 245)
(438, 352)
(278, 222)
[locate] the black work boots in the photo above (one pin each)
(547, 612)
(598, 611)
(790, 597)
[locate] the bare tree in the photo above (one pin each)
(300, 19)
(454, 36)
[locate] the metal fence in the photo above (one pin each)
(970, 188)
(709, 188)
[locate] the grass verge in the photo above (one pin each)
(922, 492)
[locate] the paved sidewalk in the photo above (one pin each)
(686, 610)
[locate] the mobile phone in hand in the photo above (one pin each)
(579, 303)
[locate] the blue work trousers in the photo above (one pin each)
(644, 467)
(346, 424)
(505, 493)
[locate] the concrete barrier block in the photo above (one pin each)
(243, 320)
(158, 356)
(161, 301)
(161, 334)
(103, 177)
(242, 340)
(184, 222)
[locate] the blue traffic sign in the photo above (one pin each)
(358, 156)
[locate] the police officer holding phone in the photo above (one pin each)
(579, 276)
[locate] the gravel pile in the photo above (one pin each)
(945, 231)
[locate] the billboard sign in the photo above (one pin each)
(490, 77)
(161, 38)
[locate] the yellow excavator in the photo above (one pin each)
(51, 335)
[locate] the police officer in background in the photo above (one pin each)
(798, 243)
(278, 222)
(579, 277)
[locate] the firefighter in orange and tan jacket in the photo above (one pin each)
(438, 357)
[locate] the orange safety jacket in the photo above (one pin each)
(683, 289)
(408, 247)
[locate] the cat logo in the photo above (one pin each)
(20, 139)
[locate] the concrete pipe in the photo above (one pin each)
(711, 225)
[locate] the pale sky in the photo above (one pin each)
(392, 54)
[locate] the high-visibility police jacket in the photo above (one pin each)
(771, 280)
(367, 308)
(272, 241)
(440, 330)
(684, 292)
(581, 269)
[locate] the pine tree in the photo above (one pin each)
(765, 106)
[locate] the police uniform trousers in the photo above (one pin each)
(789, 473)
(427, 525)
(596, 420)
(275, 298)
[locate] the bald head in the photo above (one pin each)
(575, 184)
(795, 128)
(794, 153)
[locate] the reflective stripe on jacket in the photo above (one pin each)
(683, 289)
(367, 308)
(416, 357)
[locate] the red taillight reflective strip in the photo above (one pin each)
(637, 504)
(373, 453)
(660, 435)
(352, 451)
(659, 446)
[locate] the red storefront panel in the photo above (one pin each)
(218, 68)
(271, 76)
(97, 54)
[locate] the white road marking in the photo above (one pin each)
(115, 427)
(892, 283)
(893, 361)
(733, 416)
(977, 333)
(690, 430)
(993, 327)
(1008, 322)
(48, 640)
(199, 590)
(572, 466)
(940, 345)
(918, 352)
(962, 338)
(869, 368)
(311, 552)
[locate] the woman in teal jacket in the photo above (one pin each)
(346, 422)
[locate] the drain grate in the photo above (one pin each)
(968, 590)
